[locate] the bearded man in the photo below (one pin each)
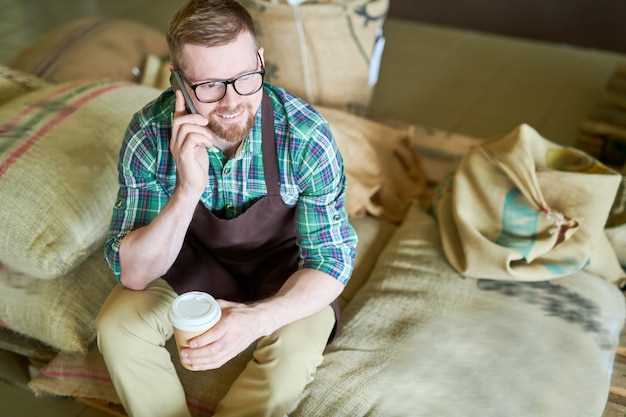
(244, 200)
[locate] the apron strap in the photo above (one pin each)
(270, 164)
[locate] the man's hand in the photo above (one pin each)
(238, 328)
(188, 143)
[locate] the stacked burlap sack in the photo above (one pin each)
(465, 345)
(58, 182)
(327, 52)
(92, 48)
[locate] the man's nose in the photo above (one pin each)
(231, 97)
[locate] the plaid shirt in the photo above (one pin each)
(309, 164)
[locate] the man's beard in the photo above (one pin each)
(235, 132)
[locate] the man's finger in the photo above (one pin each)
(189, 144)
(226, 304)
(179, 107)
(205, 353)
(181, 117)
(209, 364)
(187, 130)
(212, 335)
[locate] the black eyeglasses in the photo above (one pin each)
(244, 85)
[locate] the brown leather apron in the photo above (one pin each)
(248, 257)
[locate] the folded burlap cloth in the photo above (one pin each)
(523, 208)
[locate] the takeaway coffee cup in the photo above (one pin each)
(192, 314)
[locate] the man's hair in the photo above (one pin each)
(207, 23)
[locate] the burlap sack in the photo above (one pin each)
(58, 172)
(25, 346)
(479, 341)
(86, 375)
(466, 344)
(92, 48)
(322, 51)
(382, 166)
(523, 208)
(373, 234)
(15, 83)
(59, 312)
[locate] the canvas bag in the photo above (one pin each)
(523, 208)
(92, 48)
(59, 150)
(327, 52)
(15, 83)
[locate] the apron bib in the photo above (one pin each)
(249, 257)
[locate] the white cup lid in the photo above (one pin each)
(194, 311)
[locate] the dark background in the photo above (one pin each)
(588, 23)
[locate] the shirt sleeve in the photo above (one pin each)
(140, 196)
(326, 238)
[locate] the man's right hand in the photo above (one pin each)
(188, 144)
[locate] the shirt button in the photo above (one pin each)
(226, 170)
(229, 206)
(336, 217)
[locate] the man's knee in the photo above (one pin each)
(126, 318)
(290, 366)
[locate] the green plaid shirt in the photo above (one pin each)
(309, 164)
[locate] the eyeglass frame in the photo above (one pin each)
(226, 82)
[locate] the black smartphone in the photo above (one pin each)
(176, 80)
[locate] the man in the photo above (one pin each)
(244, 200)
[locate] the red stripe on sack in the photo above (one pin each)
(80, 375)
(77, 368)
(52, 123)
(33, 106)
(192, 403)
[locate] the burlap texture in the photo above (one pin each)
(382, 166)
(523, 208)
(15, 83)
(59, 312)
(466, 344)
(545, 347)
(321, 51)
(92, 48)
(86, 375)
(58, 172)
(373, 234)
(25, 346)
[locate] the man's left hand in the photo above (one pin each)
(238, 327)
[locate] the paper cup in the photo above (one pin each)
(192, 314)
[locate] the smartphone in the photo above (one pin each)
(176, 80)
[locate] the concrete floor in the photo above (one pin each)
(477, 84)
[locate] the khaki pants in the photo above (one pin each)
(132, 331)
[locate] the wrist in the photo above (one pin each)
(266, 319)
(187, 197)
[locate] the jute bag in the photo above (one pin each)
(15, 83)
(59, 149)
(92, 48)
(327, 52)
(59, 312)
(523, 208)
